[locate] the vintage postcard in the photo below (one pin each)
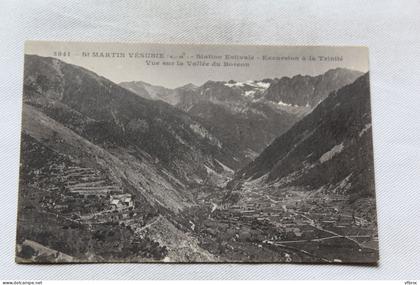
(196, 153)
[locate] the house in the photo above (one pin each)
(120, 201)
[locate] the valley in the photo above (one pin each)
(255, 171)
(294, 225)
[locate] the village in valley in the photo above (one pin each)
(261, 222)
(261, 170)
(295, 224)
(291, 225)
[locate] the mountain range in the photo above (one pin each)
(137, 172)
(247, 116)
(113, 139)
(328, 150)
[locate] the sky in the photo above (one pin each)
(120, 62)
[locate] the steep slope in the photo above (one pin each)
(155, 92)
(312, 189)
(141, 88)
(236, 114)
(331, 148)
(111, 116)
(110, 175)
(309, 90)
(247, 116)
(101, 164)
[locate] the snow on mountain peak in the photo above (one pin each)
(235, 84)
(251, 83)
(249, 88)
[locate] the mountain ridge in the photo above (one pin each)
(335, 139)
(247, 116)
(116, 175)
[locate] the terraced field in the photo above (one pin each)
(88, 181)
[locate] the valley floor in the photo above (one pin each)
(291, 226)
(294, 226)
(73, 213)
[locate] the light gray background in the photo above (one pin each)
(391, 29)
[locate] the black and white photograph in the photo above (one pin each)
(196, 154)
